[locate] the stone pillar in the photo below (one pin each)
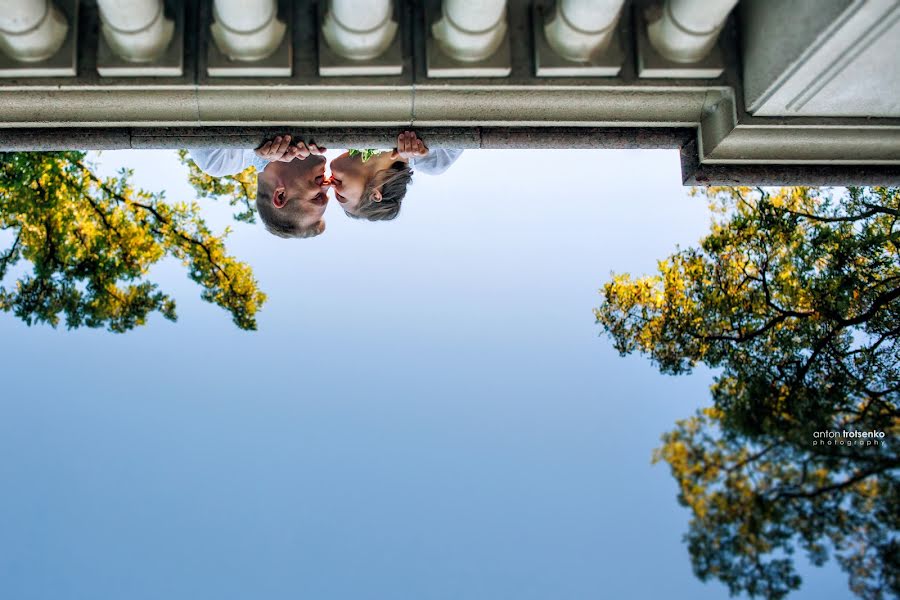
(688, 29)
(579, 29)
(31, 30)
(471, 31)
(247, 30)
(359, 29)
(136, 30)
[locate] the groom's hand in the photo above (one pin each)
(304, 150)
(280, 149)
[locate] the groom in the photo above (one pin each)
(291, 188)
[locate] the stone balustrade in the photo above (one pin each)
(579, 29)
(625, 66)
(136, 30)
(31, 32)
(465, 38)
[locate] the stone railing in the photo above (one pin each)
(493, 73)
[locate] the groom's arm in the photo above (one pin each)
(220, 162)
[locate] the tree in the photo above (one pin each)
(793, 297)
(755, 499)
(91, 242)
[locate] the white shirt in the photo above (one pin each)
(220, 162)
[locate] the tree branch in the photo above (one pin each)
(859, 476)
(753, 457)
(7, 258)
(848, 219)
(159, 217)
(879, 302)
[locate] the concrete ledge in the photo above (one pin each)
(781, 175)
(730, 137)
(311, 106)
(228, 137)
(560, 104)
(540, 138)
(336, 137)
(64, 138)
(585, 138)
(98, 107)
(262, 103)
(868, 145)
(695, 173)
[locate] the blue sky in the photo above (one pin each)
(427, 410)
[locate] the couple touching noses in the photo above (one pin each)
(292, 186)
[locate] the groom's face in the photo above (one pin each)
(299, 186)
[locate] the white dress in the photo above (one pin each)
(435, 162)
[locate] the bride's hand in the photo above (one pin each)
(410, 146)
